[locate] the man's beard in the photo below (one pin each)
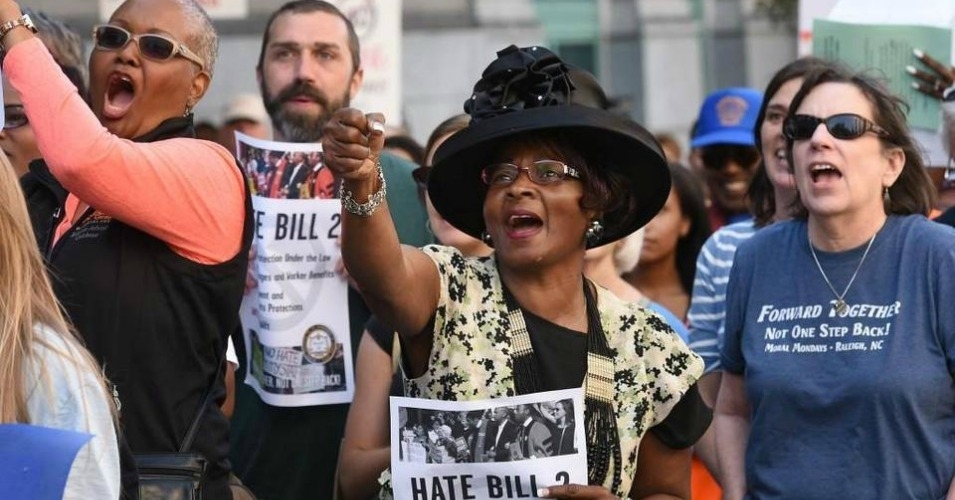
(294, 126)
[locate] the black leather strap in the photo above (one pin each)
(194, 426)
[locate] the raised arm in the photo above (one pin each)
(400, 284)
(186, 192)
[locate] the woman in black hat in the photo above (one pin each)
(542, 173)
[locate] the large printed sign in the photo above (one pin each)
(498, 448)
(295, 311)
(217, 9)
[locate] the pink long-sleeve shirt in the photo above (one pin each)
(186, 192)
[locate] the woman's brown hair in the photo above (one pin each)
(913, 192)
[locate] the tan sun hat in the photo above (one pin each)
(245, 107)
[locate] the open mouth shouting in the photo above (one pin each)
(823, 173)
(522, 224)
(120, 92)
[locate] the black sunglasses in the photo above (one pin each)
(151, 45)
(718, 156)
(844, 126)
(14, 117)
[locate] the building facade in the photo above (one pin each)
(656, 58)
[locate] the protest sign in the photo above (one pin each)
(499, 448)
(295, 317)
(886, 14)
(887, 48)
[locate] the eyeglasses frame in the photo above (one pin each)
(178, 48)
(568, 172)
(870, 126)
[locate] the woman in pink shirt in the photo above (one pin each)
(149, 242)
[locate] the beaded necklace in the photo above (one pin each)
(603, 440)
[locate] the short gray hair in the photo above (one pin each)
(202, 36)
(202, 33)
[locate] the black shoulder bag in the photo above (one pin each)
(176, 475)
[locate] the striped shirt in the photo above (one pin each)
(707, 311)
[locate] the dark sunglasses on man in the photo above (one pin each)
(717, 156)
(151, 45)
(845, 126)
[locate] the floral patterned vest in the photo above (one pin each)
(471, 357)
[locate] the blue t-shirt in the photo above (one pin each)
(854, 406)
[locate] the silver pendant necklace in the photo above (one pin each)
(839, 304)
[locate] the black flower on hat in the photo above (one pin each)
(532, 91)
(518, 79)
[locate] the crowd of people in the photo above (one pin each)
(287, 175)
(768, 320)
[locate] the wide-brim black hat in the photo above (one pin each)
(531, 90)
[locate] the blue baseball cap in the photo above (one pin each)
(728, 116)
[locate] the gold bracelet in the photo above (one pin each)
(368, 208)
(8, 26)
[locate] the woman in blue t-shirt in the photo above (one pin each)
(840, 338)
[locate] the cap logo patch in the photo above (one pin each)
(731, 110)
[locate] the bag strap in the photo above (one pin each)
(194, 426)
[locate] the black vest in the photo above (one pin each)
(156, 321)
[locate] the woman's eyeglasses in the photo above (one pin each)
(151, 45)
(541, 172)
(844, 126)
(14, 117)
